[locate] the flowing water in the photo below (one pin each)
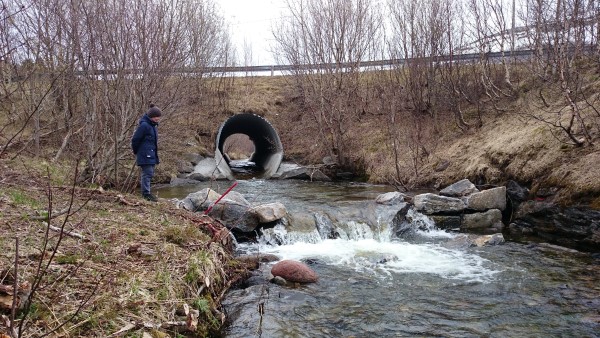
(373, 284)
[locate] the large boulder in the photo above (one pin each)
(432, 203)
(494, 198)
(233, 210)
(206, 169)
(203, 199)
(200, 200)
(234, 215)
(301, 221)
(270, 212)
(459, 189)
(236, 197)
(489, 221)
(574, 227)
(402, 225)
(294, 271)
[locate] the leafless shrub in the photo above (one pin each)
(83, 72)
(561, 33)
(337, 36)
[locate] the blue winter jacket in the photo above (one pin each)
(145, 142)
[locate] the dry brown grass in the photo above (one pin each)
(509, 144)
(139, 261)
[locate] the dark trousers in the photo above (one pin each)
(147, 174)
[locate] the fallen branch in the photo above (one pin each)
(68, 233)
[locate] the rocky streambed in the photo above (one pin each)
(385, 267)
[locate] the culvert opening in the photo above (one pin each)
(237, 150)
(249, 134)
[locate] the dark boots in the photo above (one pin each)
(150, 197)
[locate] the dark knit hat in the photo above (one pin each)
(153, 111)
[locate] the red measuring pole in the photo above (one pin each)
(217, 201)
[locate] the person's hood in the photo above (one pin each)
(146, 118)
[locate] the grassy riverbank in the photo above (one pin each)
(122, 264)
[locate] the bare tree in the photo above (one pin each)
(326, 41)
(559, 32)
(93, 68)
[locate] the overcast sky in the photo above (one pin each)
(252, 20)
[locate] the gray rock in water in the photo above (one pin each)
(574, 227)
(301, 221)
(459, 189)
(284, 168)
(325, 227)
(391, 198)
(494, 198)
(495, 239)
(199, 200)
(207, 168)
(234, 215)
(432, 203)
(489, 221)
(269, 212)
(233, 210)
(278, 280)
(236, 197)
(402, 226)
(458, 242)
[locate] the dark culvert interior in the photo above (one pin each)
(268, 150)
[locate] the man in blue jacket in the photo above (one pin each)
(145, 147)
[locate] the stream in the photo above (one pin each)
(374, 284)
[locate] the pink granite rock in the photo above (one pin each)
(294, 271)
